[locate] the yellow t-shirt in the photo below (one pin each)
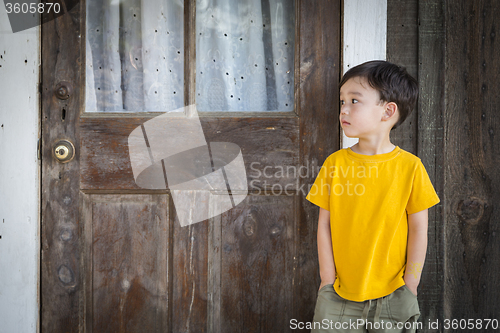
(369, 197)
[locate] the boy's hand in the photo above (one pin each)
(412, 287)
(324, 283)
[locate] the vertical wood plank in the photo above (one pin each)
(257, 265)
(214, 271)
(430, 146)
(189, 275)
(403, 49)
(472, 155)
(61, 277)
(86, 318)
(402, 34)
(319, 74)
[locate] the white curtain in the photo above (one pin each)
(244, 55)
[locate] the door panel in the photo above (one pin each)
(127, 258)
(115, 257)
(265, 142)
(256, 264)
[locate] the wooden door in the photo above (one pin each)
(114, 255)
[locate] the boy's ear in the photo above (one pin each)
(390, 111)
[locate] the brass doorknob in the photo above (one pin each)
(64, 151)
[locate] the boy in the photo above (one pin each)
(373, 199)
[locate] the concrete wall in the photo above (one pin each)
(19, 178)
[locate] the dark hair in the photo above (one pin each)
(393, 83)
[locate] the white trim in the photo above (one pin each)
(19, 178)
(365, 35)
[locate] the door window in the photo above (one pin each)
(135, 55)
(135, 59)
(244, 55)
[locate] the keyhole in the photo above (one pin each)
(61, 151)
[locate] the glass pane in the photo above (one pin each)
(135, 55)
(245, 55)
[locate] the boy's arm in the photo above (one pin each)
(325, 249)
(417, 247)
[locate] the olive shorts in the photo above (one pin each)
(396, 312)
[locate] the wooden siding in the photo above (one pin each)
(472, 151)
(416, 41)
(452, 47)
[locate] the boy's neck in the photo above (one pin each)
(371, 147)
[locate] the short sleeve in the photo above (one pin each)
(319, 194)
(422, 194)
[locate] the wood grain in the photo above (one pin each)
(319, 74)
(130, 238)
(61, 276)
(415, 39)
(256, 253)
(430, 146)
(403, 49)
(471, 160)
(264, 142)
(116, 258)
(189, 276)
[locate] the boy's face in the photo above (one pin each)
(361, 110)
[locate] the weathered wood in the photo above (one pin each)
(128, 262)
(430, 147)
(265, 142)
(133, 274)
(256, 265)
(318, 103)
(61, 277)
(471, 150)
(402, 34)
(214, 273)
(403, 49)
(87, 316)
(189, 276)
(416, 40)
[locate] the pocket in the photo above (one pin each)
(324, 287)
(403, 305)
(328, 305)
(408, 289)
